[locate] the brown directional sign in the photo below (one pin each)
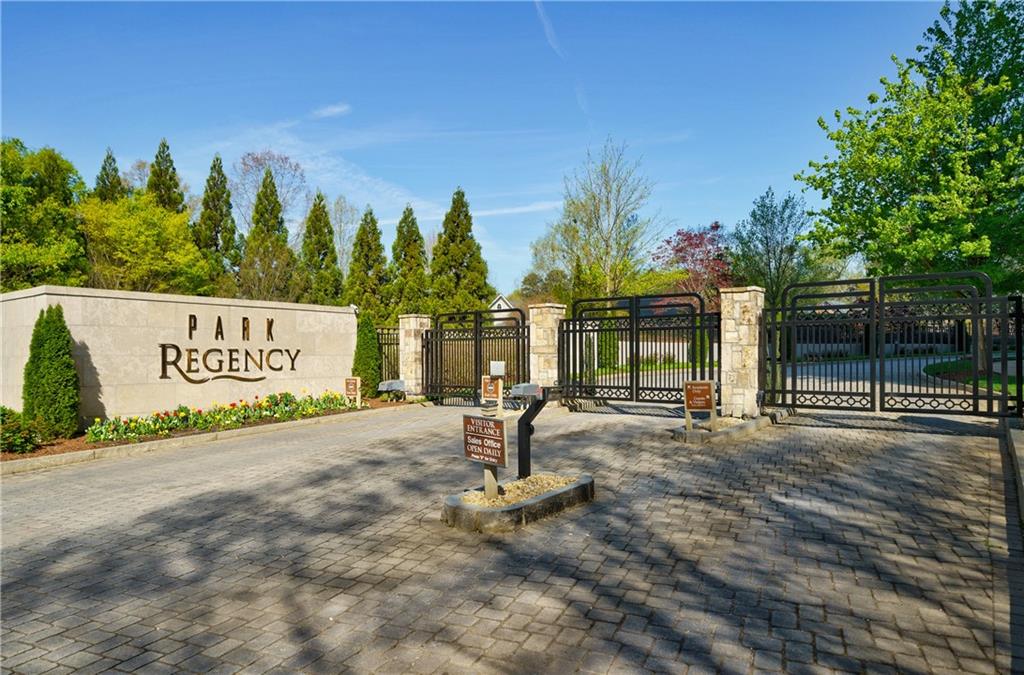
(490, 388)
(352, 387)
(700, 395)
(484, 440)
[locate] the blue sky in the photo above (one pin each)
(391, 104)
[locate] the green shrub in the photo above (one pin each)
(366, 363)
(607, 349)
(16, 433)
(50, 394)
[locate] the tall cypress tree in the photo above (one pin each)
(214, 232)
(458, 273)
(268, 266)
(109, 186)
(319, 259)
(163, 180)
(408, 290)
(368, 271)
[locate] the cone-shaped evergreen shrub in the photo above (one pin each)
(50, 393)
(366, 364)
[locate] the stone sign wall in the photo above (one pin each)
(142, 352)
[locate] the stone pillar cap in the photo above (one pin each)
(740, 289)
(548, 304)
(415, 316)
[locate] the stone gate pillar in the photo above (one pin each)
(740, 332)
(410, 351)
(544, 320)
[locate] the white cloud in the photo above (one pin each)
(549, 29)
(534, 207)
(333, 110)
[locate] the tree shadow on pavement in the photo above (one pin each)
(805, 547)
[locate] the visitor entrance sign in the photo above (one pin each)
(484, 440)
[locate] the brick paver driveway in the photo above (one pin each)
(846, 542)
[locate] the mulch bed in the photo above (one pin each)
(63, 445)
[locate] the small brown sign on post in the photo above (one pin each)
(699, 396)
(354, 390)
(484, 441)
(490, 388)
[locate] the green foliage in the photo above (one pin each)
(366, 362)
(607, 349)
(17, 434)
(458, 273)
(215, 234)
(50, 393)
(275, 407)
(409, 285)
(602, 238)
(915, 186)
(41, 241)
(109, 186)
(368, 272)
(768, 249)
(319, 258)
(136, 245)
(269, 266)
(983, 40)
(163, 181)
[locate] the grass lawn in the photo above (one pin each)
(960, 371)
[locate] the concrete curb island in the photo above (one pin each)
(702, 436)
(16, 466)
(1015, 444)
(491, 520)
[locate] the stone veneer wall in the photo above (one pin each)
(544, 320)
(740, 331)
(118, 337)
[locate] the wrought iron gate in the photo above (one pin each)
(639, 348)
(935, 343)
(458, 350)
(387, 348)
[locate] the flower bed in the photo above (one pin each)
(275, 407)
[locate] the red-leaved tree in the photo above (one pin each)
(701, 253)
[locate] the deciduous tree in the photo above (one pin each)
(247, 180)
(914, 186)
(41, 240)
(458, 273)
(134, 244)
(701, 254)
(604, 234)
(767, 248)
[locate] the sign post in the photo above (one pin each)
(484, 441)
(354, 390)
(699, 396)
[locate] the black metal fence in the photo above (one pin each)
(935, 343)
(387, 341)
(459, 348)
(638, 348)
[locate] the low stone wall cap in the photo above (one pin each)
(549, 304)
